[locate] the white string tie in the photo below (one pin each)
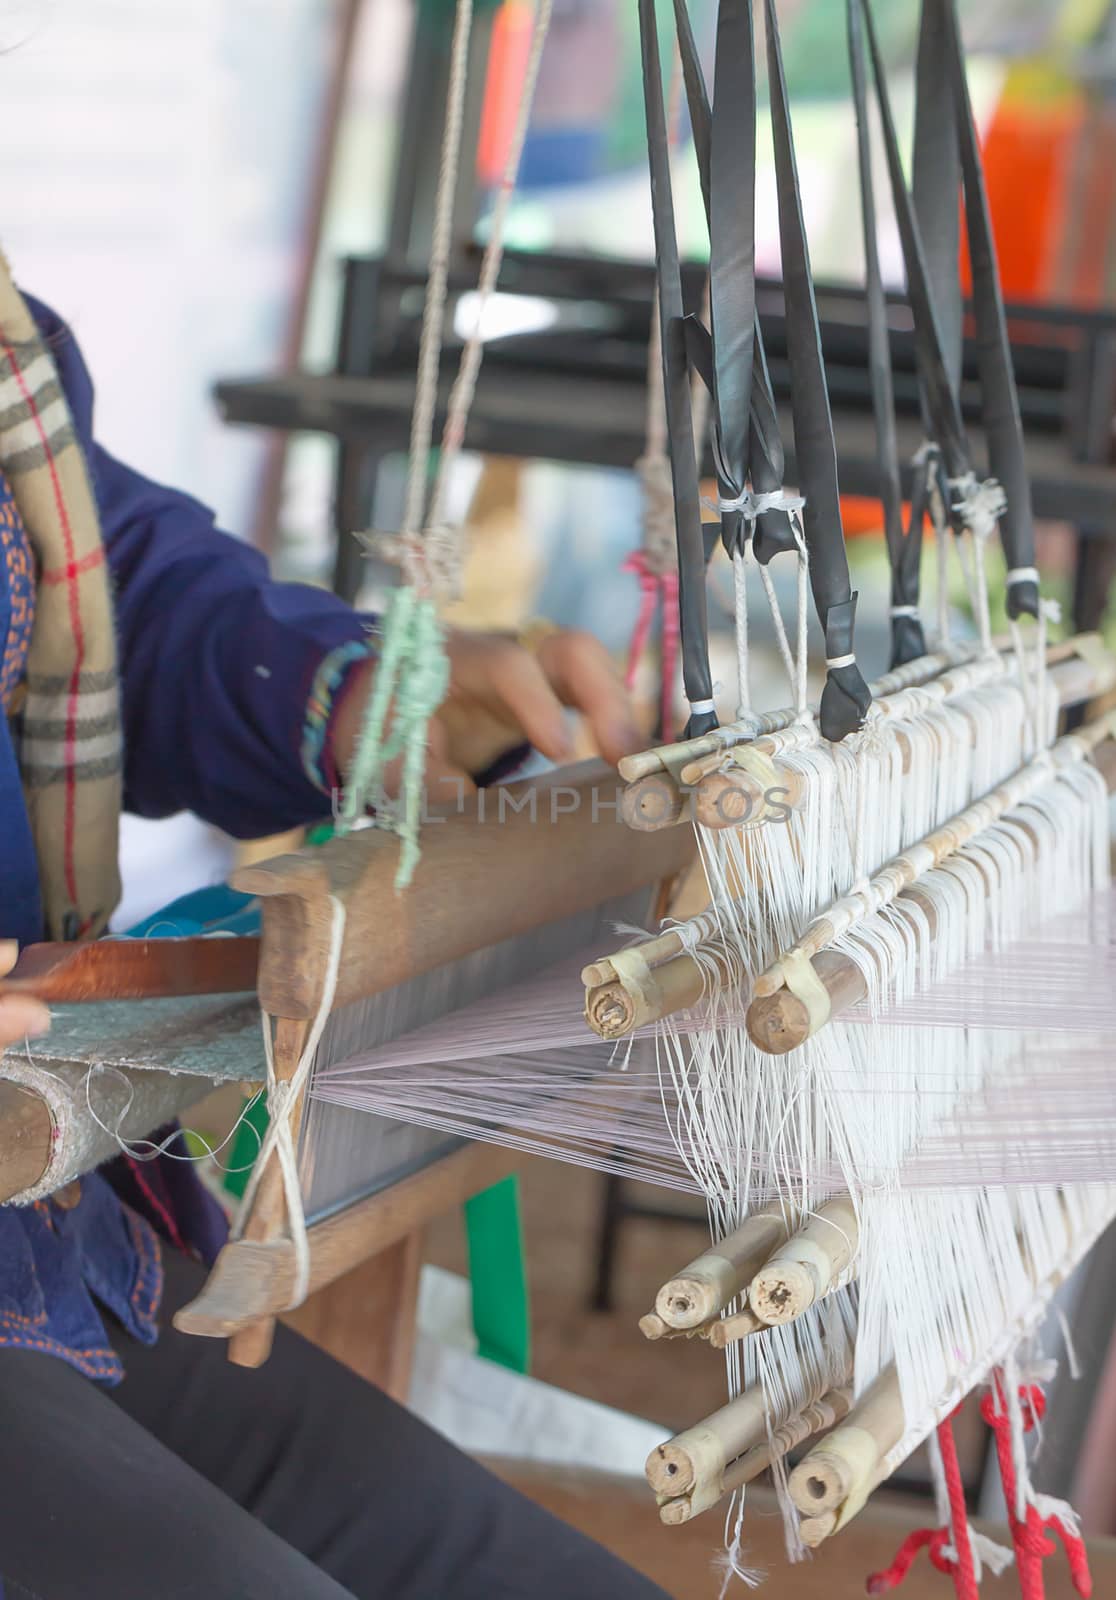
(753, 505)
(980, 503)
(1022, 575)
(282, 1100)
(904, 611)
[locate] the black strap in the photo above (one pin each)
(732, 252)
(845, 699)
(1002, 421)
(943, 410)
(696, 674)
(936, 185)
(765, 461)
(903, 548)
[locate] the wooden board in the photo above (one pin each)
(618, 1513)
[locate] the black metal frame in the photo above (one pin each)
(576, 393)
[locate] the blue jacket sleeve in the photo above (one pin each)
(228, 677)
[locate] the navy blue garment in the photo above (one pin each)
(229, 683)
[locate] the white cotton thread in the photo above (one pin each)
(903, 611)
(754, 505)
(834, 663)
(147, 1149)
(282, 1099)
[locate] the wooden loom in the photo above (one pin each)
(483, 882)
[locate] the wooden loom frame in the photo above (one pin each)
(468, 892)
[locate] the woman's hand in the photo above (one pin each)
(20, 1016)
(501, 695)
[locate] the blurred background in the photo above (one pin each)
(230, 202)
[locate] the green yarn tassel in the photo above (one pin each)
(413, 672)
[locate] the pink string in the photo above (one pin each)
(655, 588)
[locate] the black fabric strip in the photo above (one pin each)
(773, 532)
(696, 674)
(944, 415)
(907, 642)
(732, 251)
(936, 185)
(845, 699)
(1002, 421)
(767, 465)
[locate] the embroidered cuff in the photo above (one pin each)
(326, 694)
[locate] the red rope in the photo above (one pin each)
(964, 1573)
(959, 1564)
(1030, 1535)
(655, 587)
(891, 1577)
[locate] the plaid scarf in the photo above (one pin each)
(70, 747)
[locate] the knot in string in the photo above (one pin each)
(979, 503)
(431, 562)
(753, 505)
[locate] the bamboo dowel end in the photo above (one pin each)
(821, 1483)
(782, 1291)
(611, 1011)
(778, 1023)
(652, 803)
(729, 1329)
(688, 1302)
(675, 1512)
(669, 1470)
(813, 1531)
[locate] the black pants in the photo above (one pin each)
(198, 1480)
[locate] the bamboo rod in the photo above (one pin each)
(906, 868)
(747, 1466)
(708, 1284)
(728, 797)
(694, 1461)
(728, 1330)
(814, 1531)
(1089, 670)
(840, 1472)
(777, 1020)
(653, 802)
(807, 1266)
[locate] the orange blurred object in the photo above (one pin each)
(863, 514)
(503, 89)
(1027, 156)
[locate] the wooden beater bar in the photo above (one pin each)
(518, 858)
